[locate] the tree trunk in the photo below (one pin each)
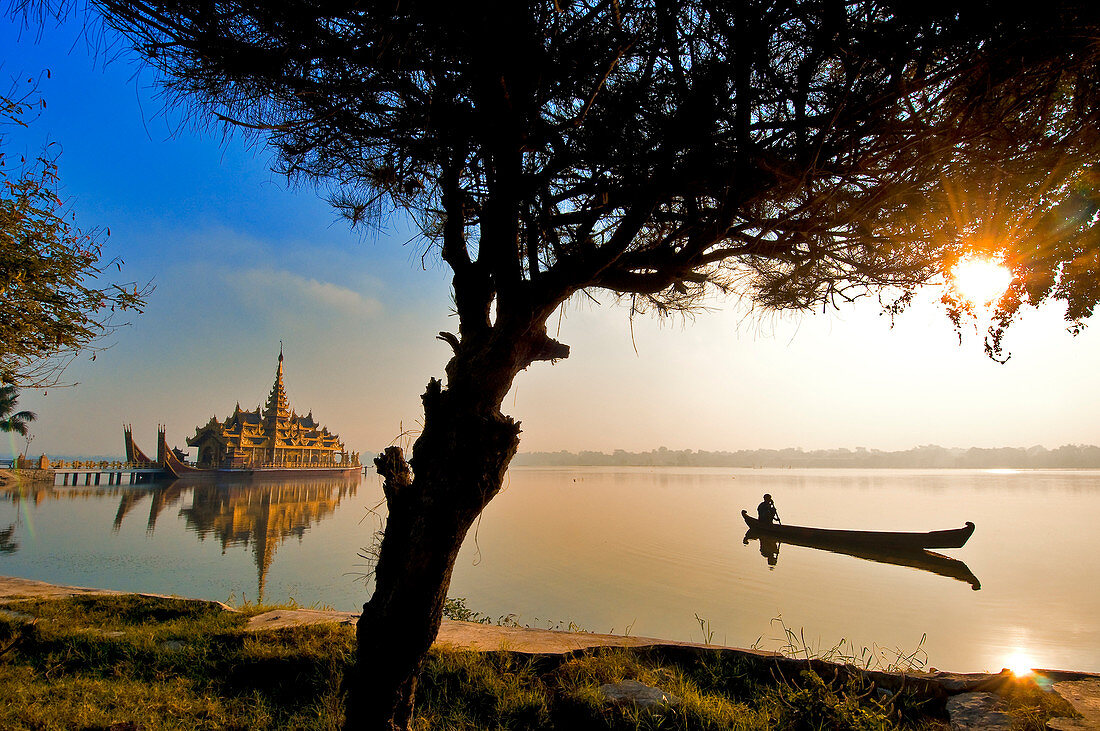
(459, 459)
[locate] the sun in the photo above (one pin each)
(980, 281)
(1020, 663)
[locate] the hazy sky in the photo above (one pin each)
(240, 262)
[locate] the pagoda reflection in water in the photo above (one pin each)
(241, 513)
(264, 515)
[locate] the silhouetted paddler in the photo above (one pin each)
(766, 511)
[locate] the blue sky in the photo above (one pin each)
(240, 262)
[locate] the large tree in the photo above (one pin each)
(55, 301)
(797, 152)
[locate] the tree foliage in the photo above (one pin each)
(10, 419)
(795, 152)
(54, 302)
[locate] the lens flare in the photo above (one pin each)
(28, 519)
(980, 281)
(11, 444)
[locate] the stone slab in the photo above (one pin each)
(1068, 724)
(280, 618)
(475, 636)
(1084, 696)
(13, 589)
(975, 711)
(639, 694)
(530, 640)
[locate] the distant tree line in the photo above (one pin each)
(929, 456)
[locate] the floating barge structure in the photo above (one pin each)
(271, 441)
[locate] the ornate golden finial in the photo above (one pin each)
(278, 406)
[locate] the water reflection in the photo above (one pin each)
(264, 515)
(7, 544)
(769, 548)
(930, 561)
(235, 512)
(164, 495)
(605, 547)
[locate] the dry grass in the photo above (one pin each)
(161, 663)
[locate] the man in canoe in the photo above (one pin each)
(766, 511)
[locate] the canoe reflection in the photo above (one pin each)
(925, 560)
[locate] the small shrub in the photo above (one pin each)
(815, 704)
(455, 608)
(726, 674)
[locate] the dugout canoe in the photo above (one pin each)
(917, 558)
(954, 538)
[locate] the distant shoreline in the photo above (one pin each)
(1070, 456)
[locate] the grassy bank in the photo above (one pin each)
(90, 662)
(157, 663)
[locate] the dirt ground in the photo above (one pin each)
(461, 635)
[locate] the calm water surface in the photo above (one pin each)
(649, 551)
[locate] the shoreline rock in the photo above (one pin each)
(19, 478)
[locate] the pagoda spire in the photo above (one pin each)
(278, 405)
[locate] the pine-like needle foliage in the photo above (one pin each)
(798, 152)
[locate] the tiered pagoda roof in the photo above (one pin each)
(268, 429)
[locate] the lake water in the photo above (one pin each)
(655, 552)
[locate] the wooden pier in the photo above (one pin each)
(117, 473)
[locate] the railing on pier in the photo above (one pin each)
(291, 464)
(71, 472)
(90, 472)
(103, 465)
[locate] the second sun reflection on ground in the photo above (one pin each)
(980, 281)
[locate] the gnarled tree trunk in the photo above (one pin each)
(458, 465)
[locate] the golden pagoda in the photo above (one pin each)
(273, 437)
